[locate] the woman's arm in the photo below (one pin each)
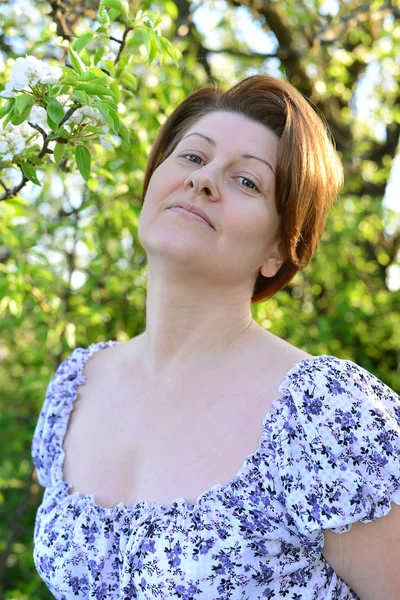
(367, 557)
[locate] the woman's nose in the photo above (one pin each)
(201, 181)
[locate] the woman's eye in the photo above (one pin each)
(249, 180)
(255, 188)
(195, 155)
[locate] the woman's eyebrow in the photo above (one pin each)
(212, 143)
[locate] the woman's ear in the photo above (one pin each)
(273, 262)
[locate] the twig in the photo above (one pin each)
(44, 149)
(122, 46)
(15, 190)
(69, 112)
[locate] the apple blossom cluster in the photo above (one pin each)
(26, 73)
(13, 137)
(95, 118)
(13, 140)
(30, 71)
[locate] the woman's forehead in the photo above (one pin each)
(233, 131)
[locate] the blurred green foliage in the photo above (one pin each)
(72, 271)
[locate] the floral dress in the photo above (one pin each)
(328, 456)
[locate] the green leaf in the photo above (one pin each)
(7, 119)
(173, 52)
(113, 13)
(89, 76)
(99, 54)
(59, 151)
(116, 91)
(16, 119)
(68, 73)
(103, 18)
(63, 133)
(7, 107)
(107, 174)
(65, 89)
(171, 9)
(93, 129)
(84, 55)
(110, 66)
(124, 132)
(154, 17)
(69, 81)
(102, 107)
(109, 115)
(113, 121)
(51, 123)
(94, 90)
(30, 173)
(98, 72)
(81, 97)
(108, 103)
(23, 104)
(128, 80)
(83, 161)
(153, 49)
(82, 41)
(146, 39)
(124, 61)
(121, 5)
(55, 110)
(76, 62)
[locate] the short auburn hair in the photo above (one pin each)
(309, 172)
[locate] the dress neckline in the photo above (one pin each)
(218, 490)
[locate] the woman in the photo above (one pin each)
(236, 196)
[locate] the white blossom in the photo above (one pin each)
(63, 98)
(25, 130)
(15, 12)
(38, 115)
(95, 118)
(140, 70)
(30, 71)
(84, 112)
(105, 143)
(13, 140)
(4, 151)
(110, 56)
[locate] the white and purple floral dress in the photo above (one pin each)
(328, 456)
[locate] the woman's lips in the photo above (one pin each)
(189, 215)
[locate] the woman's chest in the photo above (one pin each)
(126, 443)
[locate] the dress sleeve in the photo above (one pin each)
(44, 443)
(339, 450)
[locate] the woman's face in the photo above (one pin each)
(209, 170)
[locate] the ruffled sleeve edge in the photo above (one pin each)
(42, 446)
(383, 509)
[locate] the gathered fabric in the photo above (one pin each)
(328, 456)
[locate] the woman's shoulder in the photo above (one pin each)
(327, 374)
(59, 396)
(325, 391)
(317, 376)
(338, 444)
